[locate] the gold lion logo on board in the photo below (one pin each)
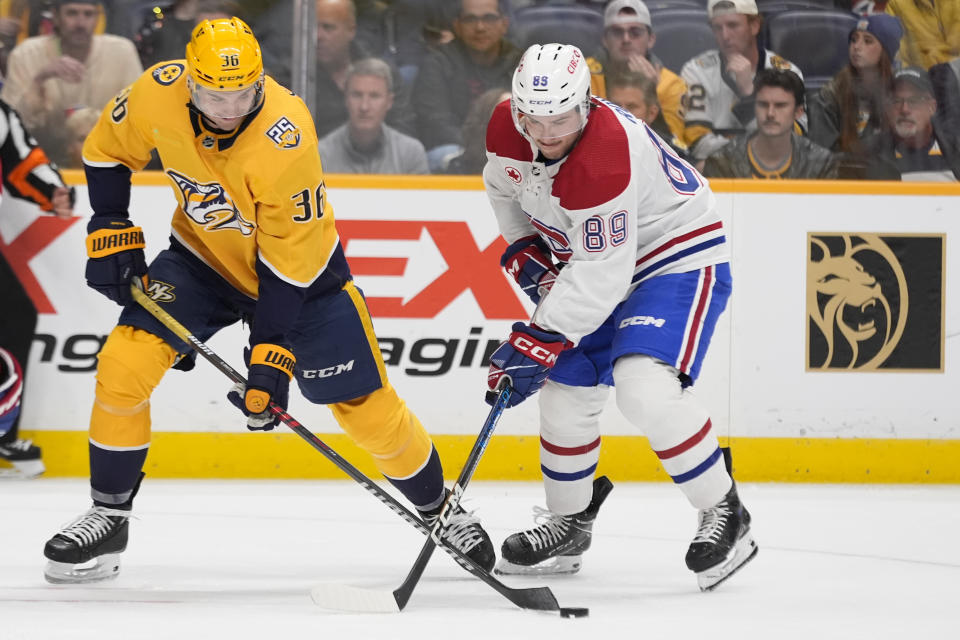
(874, 302)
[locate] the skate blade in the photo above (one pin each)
(105, 567)
(558, 565)
(742, 553)
(22, 469)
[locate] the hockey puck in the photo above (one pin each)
(574, 612)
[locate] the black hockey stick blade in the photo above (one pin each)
(538, 598)
(350, 598)
(405, 590)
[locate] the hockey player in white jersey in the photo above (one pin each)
(619, 243)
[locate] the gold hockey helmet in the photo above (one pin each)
(224, 67)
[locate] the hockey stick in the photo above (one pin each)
(537, 598)
(357, 599)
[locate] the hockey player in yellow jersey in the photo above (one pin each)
(253, 239)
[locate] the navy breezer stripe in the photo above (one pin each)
(678, 255)
(556, 475)
(700, 468)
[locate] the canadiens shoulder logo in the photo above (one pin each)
(284, 134)
(514, 174)
(209, 205)
(168, 73)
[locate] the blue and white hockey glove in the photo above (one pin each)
(525, 359)
(115, 257)
(528, 262)
(270, 368)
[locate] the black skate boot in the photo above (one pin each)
(556, 545)
(88, 549)
(464, 533)
(23, 458)
(723, 543)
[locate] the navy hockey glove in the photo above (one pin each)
(528, 262)
(269, 370)
(115, 257)
(525, 360)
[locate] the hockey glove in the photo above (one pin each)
(114, 257)
(528, 262)
(270, 368)
(525, 360)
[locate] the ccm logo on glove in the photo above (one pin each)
(544, 354)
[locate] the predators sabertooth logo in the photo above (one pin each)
(209, 205)
(874, 302)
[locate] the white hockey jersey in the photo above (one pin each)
(621, 207)
(714, 112)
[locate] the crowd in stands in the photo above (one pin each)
(855, 89)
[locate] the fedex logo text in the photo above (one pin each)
(469, 268)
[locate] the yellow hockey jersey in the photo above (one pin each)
(256, 192)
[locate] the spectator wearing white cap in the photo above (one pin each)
(720, 92)
(628, 38)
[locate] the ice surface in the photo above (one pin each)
(236, 559)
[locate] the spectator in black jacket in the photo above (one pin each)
(851, 107)
(924, 146)
(455, 74)
(774, 150)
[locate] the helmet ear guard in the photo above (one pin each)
(550, 79)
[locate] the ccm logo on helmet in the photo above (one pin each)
(535, 351)
(573, 63)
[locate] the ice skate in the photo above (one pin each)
(557, 544)
(88, 549)
(464, 533)
(723, 543)
(20, 459)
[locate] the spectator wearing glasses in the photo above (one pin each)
(924, 146)
(851, 107)
(628, 40)
(719, 100)
(774, 150)
(455, 74)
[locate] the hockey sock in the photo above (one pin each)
(424, 488)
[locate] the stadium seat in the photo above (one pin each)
(569, 24)
(815, 41)
(682, 33)
(659, 5)
(770, 7)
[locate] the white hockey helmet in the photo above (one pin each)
(551, 79)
